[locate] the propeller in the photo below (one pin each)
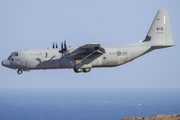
(56, 45)
(61, 51)
(53, 45)
(63, 48)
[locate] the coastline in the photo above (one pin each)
(157, 117)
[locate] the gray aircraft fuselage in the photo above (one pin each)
(83, 58)
(52, 59)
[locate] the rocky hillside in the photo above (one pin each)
(158, 117)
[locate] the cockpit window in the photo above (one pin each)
(14, 54)
(10, 56)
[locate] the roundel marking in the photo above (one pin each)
(118, 53)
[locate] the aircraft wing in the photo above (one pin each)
(92, 47)
(88, 48)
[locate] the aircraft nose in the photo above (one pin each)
(5, 63)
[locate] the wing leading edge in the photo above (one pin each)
(88, 48)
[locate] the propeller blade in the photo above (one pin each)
(61, 51)
(65, 47)
(56, 45)
(53, 45)
(62, 46)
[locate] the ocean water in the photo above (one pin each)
(86, 104)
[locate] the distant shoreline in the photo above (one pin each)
(158, 117)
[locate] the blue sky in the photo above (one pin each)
(37, 24)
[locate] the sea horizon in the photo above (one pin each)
(87, 103)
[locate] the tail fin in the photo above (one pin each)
(160, 33)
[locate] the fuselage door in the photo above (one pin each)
(104, 60)
(27, 64)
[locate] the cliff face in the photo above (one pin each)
(158, 117)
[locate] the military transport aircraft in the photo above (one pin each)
(86, 57)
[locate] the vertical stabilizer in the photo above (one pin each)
(160, 33)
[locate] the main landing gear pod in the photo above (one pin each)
(19, 71)
(82, 68)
